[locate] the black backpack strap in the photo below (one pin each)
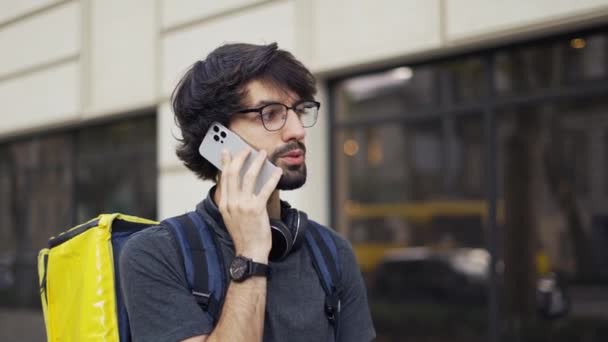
(324, 251)
(202, 260)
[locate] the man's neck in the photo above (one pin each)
(273, 206)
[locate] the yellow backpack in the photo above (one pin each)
(80, 292)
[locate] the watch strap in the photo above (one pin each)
(259, 269)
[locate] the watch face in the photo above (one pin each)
(238, 268)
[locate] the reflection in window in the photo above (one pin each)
(586, 58)
(411, 187)
(127, 183)
(463, 80)
(575, 160)
(550, 65)
(8, 241)
(528, 69)
(49, 183)
(407, 185)
(554, 209)
(395, 91)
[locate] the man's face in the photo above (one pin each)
(285, 147)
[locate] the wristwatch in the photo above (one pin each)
(242, 268)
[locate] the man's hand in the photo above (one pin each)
(246, 218)
(244, 213)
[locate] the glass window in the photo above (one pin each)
(8, 243)
(411, 204)
(50, 183)
(463, 81)
(554, 64)
(394, 92)
(530, 68)
(127, 183)
(586, 57)
(555, 215)
(37, 192)
(411, 194)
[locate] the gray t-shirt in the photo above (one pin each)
(161, 307)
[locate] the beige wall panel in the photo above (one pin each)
(176, 12)
(468, 19)
(167, 134)
(44, 98)
(15, 8)
(263, 24)
(122, 56)
(40, 39)
(179, 191)
(349, 32)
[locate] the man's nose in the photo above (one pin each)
(293, 128)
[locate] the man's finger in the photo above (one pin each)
(223, 183)
(270, 185)
(251, 175)
(234, 172)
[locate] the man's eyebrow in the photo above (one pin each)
(263, 103)
(266, 102)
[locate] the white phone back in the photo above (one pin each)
(218, 138)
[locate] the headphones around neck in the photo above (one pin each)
(287, 233)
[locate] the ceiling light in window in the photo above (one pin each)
(402, 73)
(578, 43)
(351, 147)
(367, 86)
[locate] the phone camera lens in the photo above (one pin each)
(216, 129)
(216, 138)
(223, 134)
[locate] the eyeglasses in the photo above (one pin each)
(274, 115)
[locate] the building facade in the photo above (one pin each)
(465, 138)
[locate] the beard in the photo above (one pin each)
(294, 176)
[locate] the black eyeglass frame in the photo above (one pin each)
(259, 110)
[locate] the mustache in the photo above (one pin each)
(290, 146)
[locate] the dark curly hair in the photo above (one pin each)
(213, 88)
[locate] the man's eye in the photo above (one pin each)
(305, 107)
(302, 110)
(269, 114)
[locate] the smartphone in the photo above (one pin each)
(218, 138)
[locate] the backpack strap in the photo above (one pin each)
(324, 251)
(202, 259)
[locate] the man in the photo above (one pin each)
(265, 96)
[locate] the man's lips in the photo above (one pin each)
(293, 157)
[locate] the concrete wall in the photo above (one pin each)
(469, 20)
(121, 62)
(40, 66)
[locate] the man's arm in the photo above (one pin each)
(242, 316)
(246, 218)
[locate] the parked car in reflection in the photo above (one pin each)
(420, 274)
(456, 276)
